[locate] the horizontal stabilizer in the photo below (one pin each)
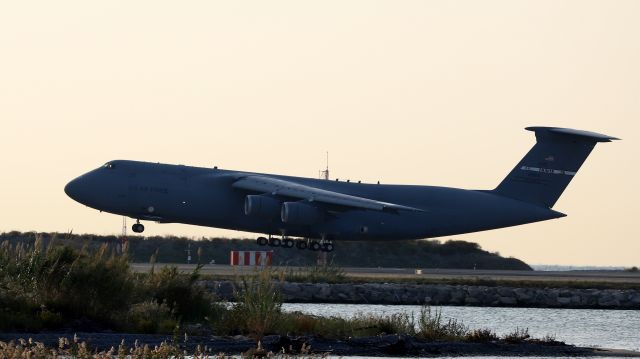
(587, 135)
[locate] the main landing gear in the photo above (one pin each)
(137, 227)
(285, 242)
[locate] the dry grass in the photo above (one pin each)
(29, 349)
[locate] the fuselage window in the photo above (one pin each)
(109, 165)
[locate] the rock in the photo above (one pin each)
(507, 300)
(565, 293)
(469, 300)
(324, 292)
(575, 300)
(608, 301)
(564, 300)
(439, 294)
(457, 296)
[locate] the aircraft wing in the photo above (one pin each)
(285, 188)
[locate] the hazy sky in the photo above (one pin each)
(412, 92)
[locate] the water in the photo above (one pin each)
(617, 329)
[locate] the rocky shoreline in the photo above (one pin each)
(443, 294)
(384, 345)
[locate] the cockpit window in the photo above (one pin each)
(109, 165)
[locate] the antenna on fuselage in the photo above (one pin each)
(324, 174)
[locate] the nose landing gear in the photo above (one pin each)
(137, 227)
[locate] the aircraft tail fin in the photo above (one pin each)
(546, 170)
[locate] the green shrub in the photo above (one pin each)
(432, 327)
(259, 305)
(181, 293)
(480, 336)
(517, 336)
(371, 324)
(151, 317)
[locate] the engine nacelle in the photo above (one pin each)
(261, 206)
(297, 213)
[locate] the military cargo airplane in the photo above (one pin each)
(313, 213)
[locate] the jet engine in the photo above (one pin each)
(261, 206)
(299, 213)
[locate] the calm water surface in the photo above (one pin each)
(619, 329)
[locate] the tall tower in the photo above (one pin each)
(124, 227)
(124, 241)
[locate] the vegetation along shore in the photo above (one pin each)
(48, 290)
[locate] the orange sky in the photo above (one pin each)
(414, 92)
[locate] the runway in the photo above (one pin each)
(443, 274)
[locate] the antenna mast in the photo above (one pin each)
(324, 174)
(322, 256)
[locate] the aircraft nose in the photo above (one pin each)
(73, 189)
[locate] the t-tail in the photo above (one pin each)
(544, 173)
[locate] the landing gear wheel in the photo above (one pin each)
(327, 247)
(288, 243)
(315, 246)
(262, 241)
(274, 242)
(301, 244)
(137, 228)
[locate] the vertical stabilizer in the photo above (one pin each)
(546, 170)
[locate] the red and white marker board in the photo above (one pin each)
(251, 258)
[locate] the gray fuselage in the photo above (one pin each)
(204, 196)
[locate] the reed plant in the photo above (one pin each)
(258, 308)
(519, 335)
(431, 326)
